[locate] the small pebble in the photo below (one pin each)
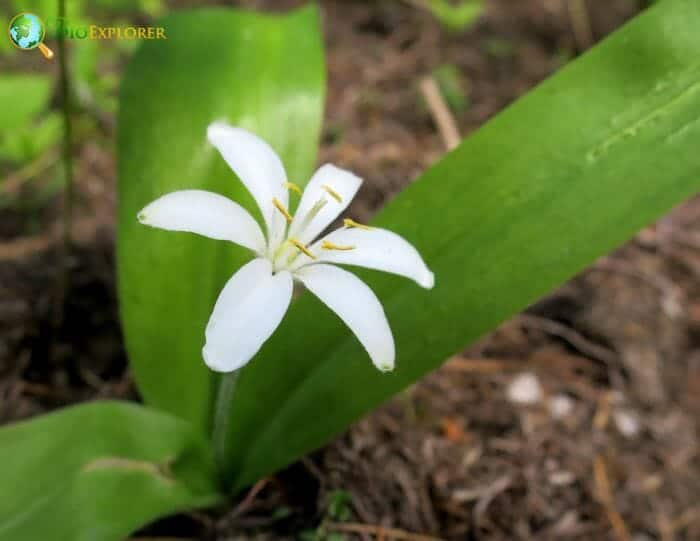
(626, 422)
(560, 406)
(561, 478)
(525, 389)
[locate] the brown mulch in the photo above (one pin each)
(577, 419)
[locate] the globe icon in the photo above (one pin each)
(27, 32)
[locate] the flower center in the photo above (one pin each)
(289, 249)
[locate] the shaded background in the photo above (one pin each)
(577, 419)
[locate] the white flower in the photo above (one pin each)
(255, 299)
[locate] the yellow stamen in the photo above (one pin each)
(299, 246)
(348, 222)
(292, 186)
(327, 245)
(335, 195)
(283, 210)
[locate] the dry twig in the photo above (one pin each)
(576, 339)
(581, 23)
(250, 497)
(441, 112)
(483, 366)
(607, 500)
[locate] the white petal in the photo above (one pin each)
(357, 306)
(255, 163)
(374, 248)
(204, 213)
(248, 310)
(337, 182)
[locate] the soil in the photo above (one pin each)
(577, 419)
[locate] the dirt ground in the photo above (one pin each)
(578, 419)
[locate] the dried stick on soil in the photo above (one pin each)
(379, 532)
(13, 183)
(584, 345)
(581, 23)
(483, 366)
(607, 500)
(441, 112)
(250, 497)
(22, 248)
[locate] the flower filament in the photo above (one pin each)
(349, 223)
(335, 195)
(301, 247)
(279, 206)
(293, 187)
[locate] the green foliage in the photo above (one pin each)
(30, 139)
(452, 87)
(337, 510)
(150, 7)
(559, 178)
(339, 505)
(456, 16)
(263, 72)
(97, 472)
(24, 134)
(92, 87)
(498, 47)
(35, 91)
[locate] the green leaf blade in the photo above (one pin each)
(561, 177)
(261, 72)
(97, 472)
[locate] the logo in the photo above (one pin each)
(62, 27)
(27, 32)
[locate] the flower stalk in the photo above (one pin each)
(64, 82)
(222, 415)
(63, 280)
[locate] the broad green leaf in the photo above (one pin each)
(97, 472)
(262, 72)
(34, 90)
(563, 176)
(30, 140)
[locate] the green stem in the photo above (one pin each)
(222, 415)
(64, 82)
(63, 278)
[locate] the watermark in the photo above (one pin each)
(62, 27)
(27, 31)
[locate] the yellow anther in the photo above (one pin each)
(327, 245)
(335, 195)
(299, 246)
(283, 210)
(292, 186)
(348, 222)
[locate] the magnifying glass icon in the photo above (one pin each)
(27, 31)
